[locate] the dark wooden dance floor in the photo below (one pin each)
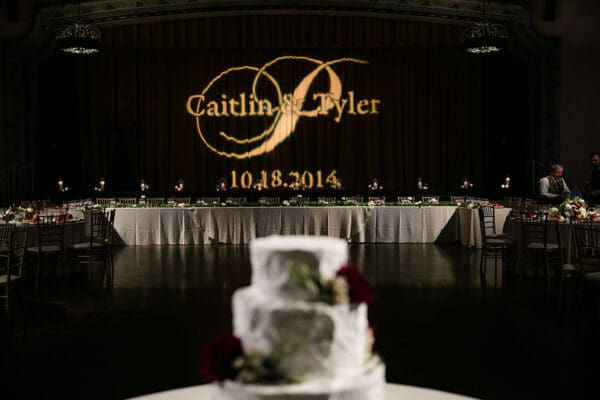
(436, 326)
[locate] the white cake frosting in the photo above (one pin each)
(326, 348)
(273, 256)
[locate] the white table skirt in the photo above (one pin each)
(237, 225)
(469, 228)
(392, 392)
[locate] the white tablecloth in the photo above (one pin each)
(392, 392)
(469, 228)
(235, 225)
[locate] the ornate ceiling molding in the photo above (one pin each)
(131, 11)
(106, 13)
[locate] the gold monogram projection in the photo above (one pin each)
(285, 109)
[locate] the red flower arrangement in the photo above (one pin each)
(359, 290)
(218, 359)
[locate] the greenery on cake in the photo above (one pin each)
(348, 286)
(226, 359)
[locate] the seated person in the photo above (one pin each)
(593, 185)
(553, 188)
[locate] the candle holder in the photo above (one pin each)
(421, 185)
(62, 188)
(336, 184)
(221, 185)
(506, 184)
(375, 185)
(258, 185)
(101, 185)
(466, 184)
(179, 187)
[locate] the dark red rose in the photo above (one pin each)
(359, 290)
(218, 357)
(69, 217)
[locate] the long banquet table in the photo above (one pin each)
(238, 225)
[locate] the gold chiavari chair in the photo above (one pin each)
(269, 200)
(586, 268)
(457, 199)
(487, 218)
(492, 246)
(528, 206)
(127, 201)
(405, 200)
(182, 200)
(235, 201)
(94, 249)
(50, 244)
(105, 201)
(154, 201)
(537, 245)
(327, 199)
(378, 200)
(571, 269)
(209, 201)
(354, 199)
(11, 269)
(299, 200)
(110, 230)
(431, 199)
(5, 232)
(516, 209)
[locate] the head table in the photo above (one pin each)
(357, 224)
(392, 392)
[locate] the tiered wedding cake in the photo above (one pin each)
(303, 325)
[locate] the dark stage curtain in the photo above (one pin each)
(134, 123)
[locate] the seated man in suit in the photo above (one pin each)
(553, 188)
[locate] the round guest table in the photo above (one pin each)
(392, 392)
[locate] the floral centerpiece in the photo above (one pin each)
(571, 208)
(472, 203)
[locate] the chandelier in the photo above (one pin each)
(484, 37)
(79, 38)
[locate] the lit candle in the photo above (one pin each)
(60, 184)
(102, 183)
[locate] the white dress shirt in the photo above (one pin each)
(544, 186)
